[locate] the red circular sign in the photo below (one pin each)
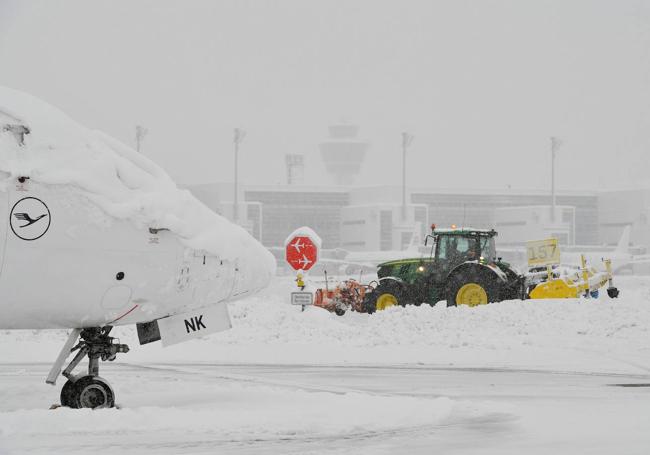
(301, 253)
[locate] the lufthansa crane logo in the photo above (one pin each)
(30, 218)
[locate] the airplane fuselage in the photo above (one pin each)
(74, 266)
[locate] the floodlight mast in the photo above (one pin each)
(140, 133)
(239, 135)
(406, 142)
(555, 146)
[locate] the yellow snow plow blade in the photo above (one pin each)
(585, 281)
(554, 289)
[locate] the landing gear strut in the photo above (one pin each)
(89, 390)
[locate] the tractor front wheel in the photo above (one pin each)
(386, 300)
(383, 297)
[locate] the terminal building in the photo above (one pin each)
(617, 209)
(372, 218)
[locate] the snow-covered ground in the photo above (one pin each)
(512, 377)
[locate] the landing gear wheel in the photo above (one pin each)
(69, 395)
(339, 311)
(90, 390)
(612, 292)
(94, 392)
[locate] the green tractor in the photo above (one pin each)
(462, 269)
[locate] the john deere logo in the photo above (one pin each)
(30, 218)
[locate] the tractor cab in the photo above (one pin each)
(449, 248)
(452, 247)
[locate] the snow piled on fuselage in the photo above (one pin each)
(122, 182)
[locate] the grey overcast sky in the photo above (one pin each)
(482, 85)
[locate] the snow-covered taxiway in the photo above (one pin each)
(513, 377)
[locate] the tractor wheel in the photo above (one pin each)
(513, 290)
(471, 287)
(384, 296)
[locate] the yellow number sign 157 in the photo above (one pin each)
(543, 252)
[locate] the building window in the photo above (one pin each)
(511, 223)
(385, 230)
(254, 215)
(406, 238)
(420, 216)
(360, 243)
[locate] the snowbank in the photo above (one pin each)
(122, 182)
(573, 334)
(601, 335)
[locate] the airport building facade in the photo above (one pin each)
(373, 218)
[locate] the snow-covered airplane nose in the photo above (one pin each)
(166, 253)
(254, 265)
(255, 269)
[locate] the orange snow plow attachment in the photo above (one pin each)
(347, 295)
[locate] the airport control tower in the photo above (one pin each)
(343, 153)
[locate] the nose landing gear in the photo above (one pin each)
(89, 390)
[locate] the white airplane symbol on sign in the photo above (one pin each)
(297, 245)
(304, 261)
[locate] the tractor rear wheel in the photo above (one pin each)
(471, 287)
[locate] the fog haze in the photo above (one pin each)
(481, 85)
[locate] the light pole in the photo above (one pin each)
(140, 133)
(406, 142)
(237, 139)
(555, 146)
